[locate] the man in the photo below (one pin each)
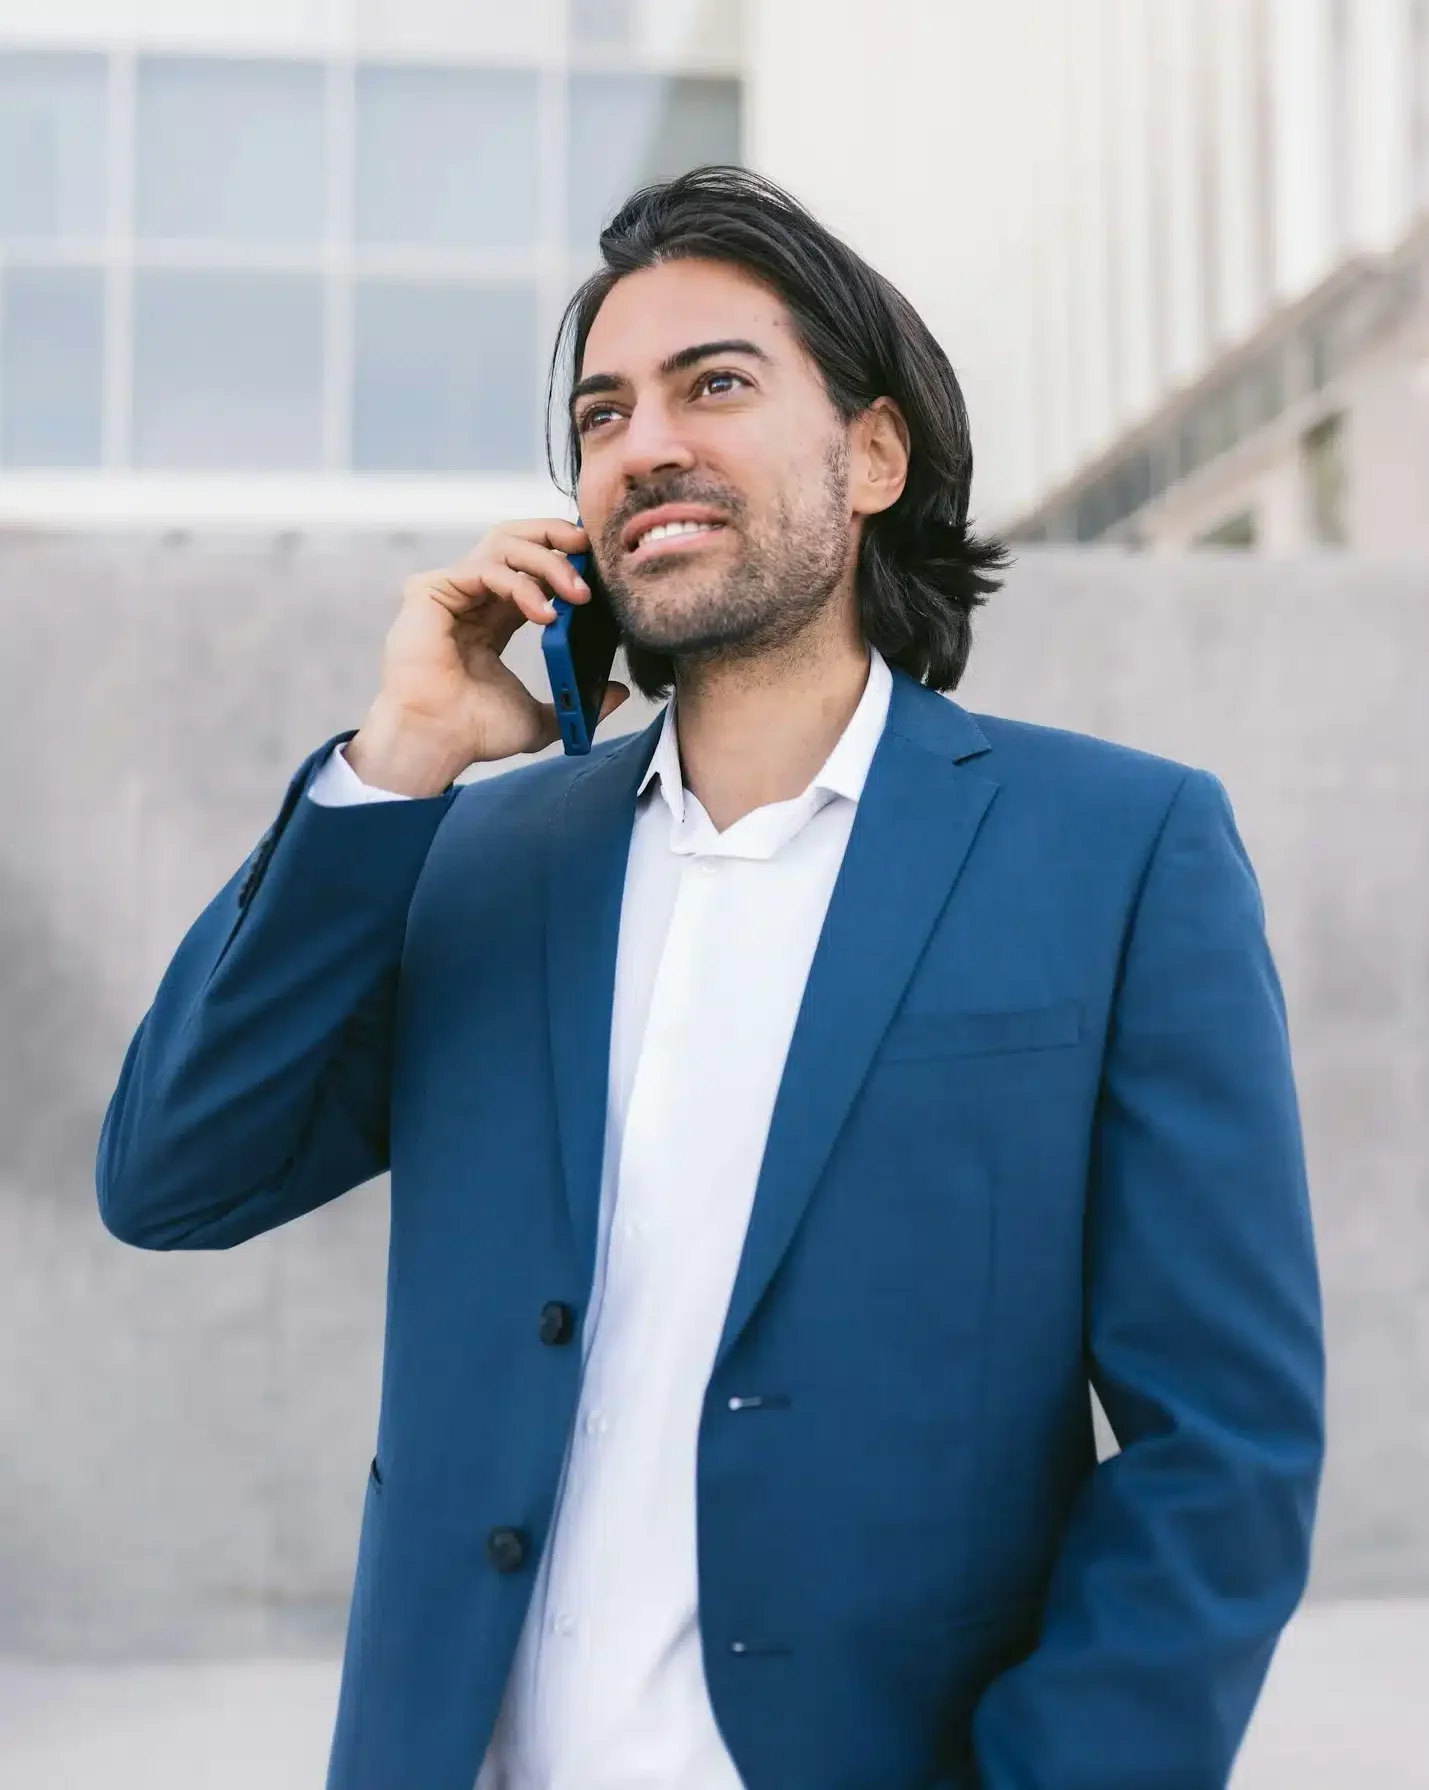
(790, 1110)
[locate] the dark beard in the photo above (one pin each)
(769, 598)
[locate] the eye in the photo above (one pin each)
(594, 417)
(716, 384)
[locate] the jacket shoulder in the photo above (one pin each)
(536, 787)
(1027, 754)
(1067, 761)
(1094, 787)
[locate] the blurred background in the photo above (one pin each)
(277, 289)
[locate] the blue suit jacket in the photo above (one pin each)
(1037, 1127)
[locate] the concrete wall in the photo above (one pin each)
(183, 1439)
(1302, 685)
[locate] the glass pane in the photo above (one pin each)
(1327, 482)
(229, 150)
(448, 31)
(683, 33)
(52, 123)
(446, 156)
(446, 379)
(227, 369)
(52, 366)
(1236, 531)
(629, 130)
(602, 24)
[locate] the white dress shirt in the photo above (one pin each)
(717, 932)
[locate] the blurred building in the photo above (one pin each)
(1217, 328)
(1312, 433)
(300, 261)
(1254, 369)
(1152, 235)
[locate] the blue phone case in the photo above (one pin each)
(579, 648)
(576, 728)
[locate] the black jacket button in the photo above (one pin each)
(558, 1323)
(506, 1549)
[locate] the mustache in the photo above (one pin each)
(655, 493)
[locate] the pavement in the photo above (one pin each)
(1346, 1708)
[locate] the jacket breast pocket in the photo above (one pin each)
(915, 1036)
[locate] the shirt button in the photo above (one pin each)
(565, 1623)
(596, 1423)
(632, 1230)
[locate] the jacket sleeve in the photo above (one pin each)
(1188, 1551)
(257, 1086)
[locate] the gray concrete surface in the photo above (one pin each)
(1302, 684)
(183, 1440)
(1344, 1709)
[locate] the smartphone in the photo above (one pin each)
(579, 648)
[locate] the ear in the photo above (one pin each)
(878, 458)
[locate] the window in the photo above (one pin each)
(289, 262)
(52, 366)
(1261, 392)
(1118, 494)
(231, 151)
(1240, 531)
(629, 129)
(1092, 516)
(1210, 428)
(445, 379)
(446, 157)
(227, 369)
(602, 24)
(448, 28)
(1326, 482)
(52, 128)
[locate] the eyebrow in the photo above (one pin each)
(678, 362)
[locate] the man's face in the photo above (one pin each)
(714, 468)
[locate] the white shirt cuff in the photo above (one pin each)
(337, 785)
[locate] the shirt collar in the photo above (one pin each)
(844, 771)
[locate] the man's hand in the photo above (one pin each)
(446, 700)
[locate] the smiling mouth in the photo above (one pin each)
(665, 535)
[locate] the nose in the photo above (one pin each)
(651, 444)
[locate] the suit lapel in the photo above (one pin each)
(589, 847)
(918, 816)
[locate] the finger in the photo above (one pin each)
(550, 531)
(492, 623)
(525, 593)
(447, 584)
(615, 694)
(553, 569)
(480, 571)
(530, 597)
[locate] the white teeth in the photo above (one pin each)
(666, 531)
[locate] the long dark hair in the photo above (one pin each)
(922, 571)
